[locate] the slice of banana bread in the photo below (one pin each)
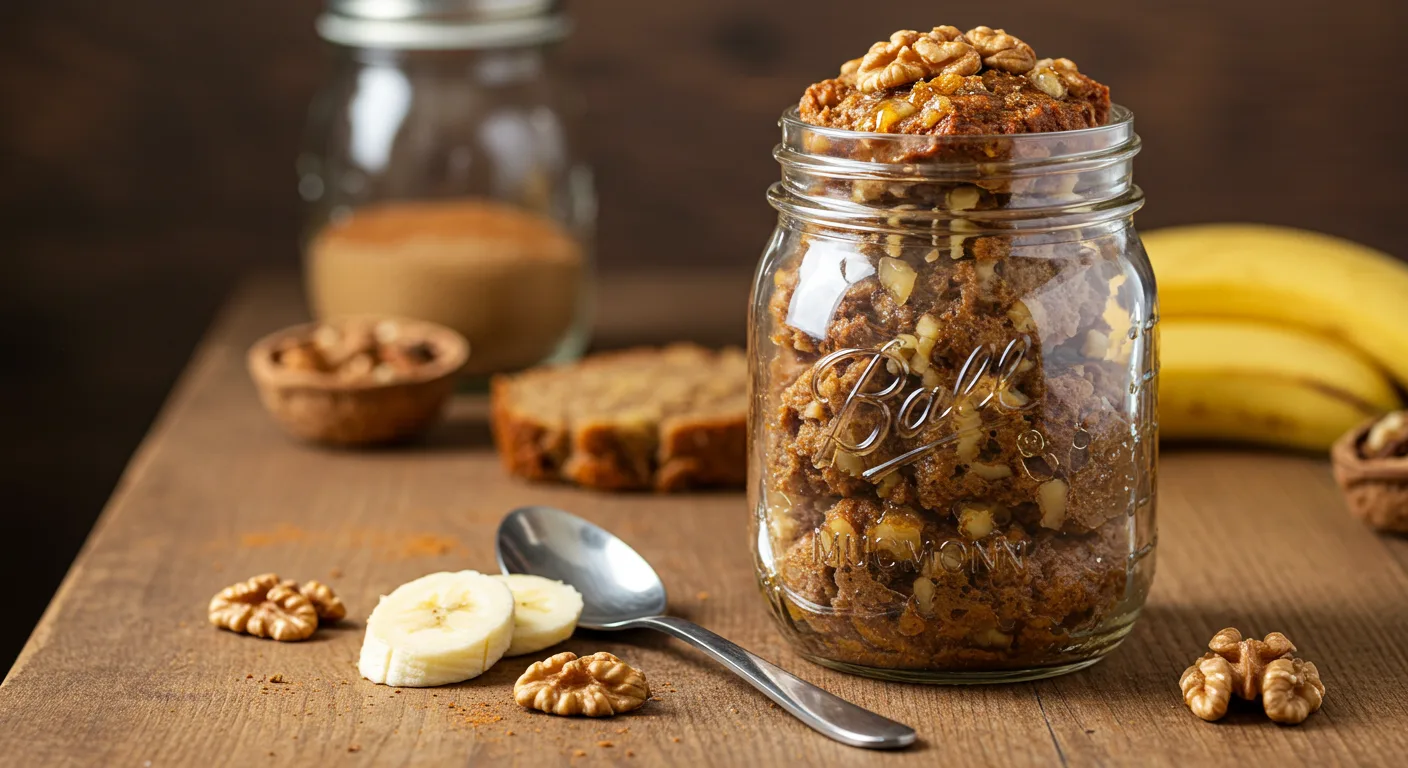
(669, 419)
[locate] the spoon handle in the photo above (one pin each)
(831, 715)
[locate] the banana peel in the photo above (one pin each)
(1253, 382)
(1275, 336)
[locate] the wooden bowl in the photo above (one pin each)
(325, 407)
(1375, 489)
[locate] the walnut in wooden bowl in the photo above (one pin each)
(1371, 466)
(357, 381)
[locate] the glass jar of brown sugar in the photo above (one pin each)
(443, 178)
(954, 347)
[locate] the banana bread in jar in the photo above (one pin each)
(953, 348)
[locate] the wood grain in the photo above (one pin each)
(123, 668)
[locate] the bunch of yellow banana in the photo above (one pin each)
(1275, 336)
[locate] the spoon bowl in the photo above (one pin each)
(616, 583)
(621, 591)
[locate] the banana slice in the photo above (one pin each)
(439, 629)
(545, 612)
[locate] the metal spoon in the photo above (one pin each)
(621, 591)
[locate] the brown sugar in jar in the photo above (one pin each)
(509, 280)
(953, 350)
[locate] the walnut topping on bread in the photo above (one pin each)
(983, 81)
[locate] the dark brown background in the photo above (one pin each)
(146, 153)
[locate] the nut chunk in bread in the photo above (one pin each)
(667, 419)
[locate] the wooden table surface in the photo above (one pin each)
(123, 670)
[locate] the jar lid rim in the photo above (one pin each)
(443, 10)
(422, 34)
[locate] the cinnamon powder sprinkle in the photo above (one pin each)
(388, 545)
(429, 545)
(283, 534)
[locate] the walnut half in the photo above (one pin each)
(909, 56)
(1290, 688)
(264, 607)
(1001, 50)
(599, 685)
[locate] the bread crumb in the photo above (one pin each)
(675, 739)
(630, 753)
(622, 730)
(335, 573)
(479, 719)
(575, 753)
(355, 748)
(276, 678)
(605, 744)
(703, 596)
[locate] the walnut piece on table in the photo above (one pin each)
(599, 685)
(1207, 687)
(326, 602)
(264, 607)
(1290, 688)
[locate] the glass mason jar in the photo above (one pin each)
(954, 410)
(443, 180)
